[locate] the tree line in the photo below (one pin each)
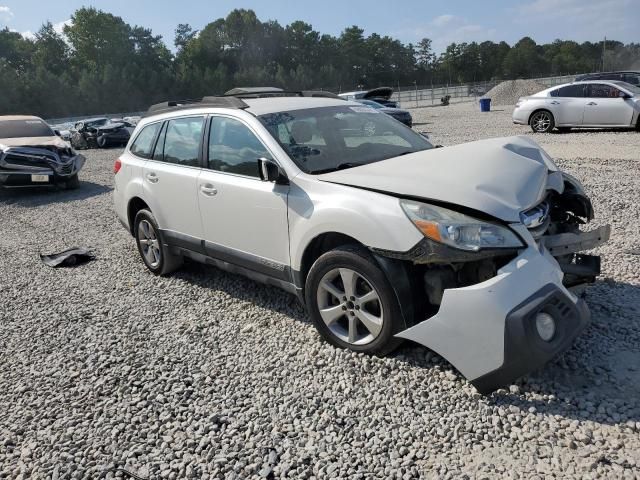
(102, 64)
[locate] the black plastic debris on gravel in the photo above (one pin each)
(72, 257)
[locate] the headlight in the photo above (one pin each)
(458, 230)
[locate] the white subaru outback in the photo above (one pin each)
(470, 250)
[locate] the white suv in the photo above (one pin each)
(469, 250)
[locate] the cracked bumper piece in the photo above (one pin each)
(488, 331)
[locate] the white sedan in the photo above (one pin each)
(591, 104)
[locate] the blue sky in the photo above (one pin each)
(409, 20)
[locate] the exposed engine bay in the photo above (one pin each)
(555, 225)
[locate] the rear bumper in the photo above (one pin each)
(487, 330)
(520, 117)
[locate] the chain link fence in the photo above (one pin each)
(416, 96)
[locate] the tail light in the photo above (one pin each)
(117, 166)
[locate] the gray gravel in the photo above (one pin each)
(208, 375)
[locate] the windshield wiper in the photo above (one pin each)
(341, 166)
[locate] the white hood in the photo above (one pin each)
(500, 176)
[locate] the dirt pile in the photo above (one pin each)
(508, 92)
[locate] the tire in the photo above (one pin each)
(102, 142)
(154, 252)
(542, 121)
(73, 182)
(340, 315)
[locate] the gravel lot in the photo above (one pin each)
(208, 375)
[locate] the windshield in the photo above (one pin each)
(627, 86)
(24, 128)
(321, 140)
(372, 104)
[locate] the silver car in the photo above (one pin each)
(590, 104)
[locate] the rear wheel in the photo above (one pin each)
(542, 121)
(154, 252)
(351, 302)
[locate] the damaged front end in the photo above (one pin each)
(499, 299)
(22, 166)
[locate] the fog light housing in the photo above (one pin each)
(546, 326)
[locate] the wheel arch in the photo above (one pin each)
(538, 110)
(319, 245)
(133, 207)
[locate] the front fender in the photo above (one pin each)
(374, 219)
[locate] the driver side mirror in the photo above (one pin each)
(622, 95)
(57, 132)
(270, 171)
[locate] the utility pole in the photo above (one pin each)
(604, 49)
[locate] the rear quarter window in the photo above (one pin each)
(143, 144)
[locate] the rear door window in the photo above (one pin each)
(143, 144)
(182, 139)
(571, 91)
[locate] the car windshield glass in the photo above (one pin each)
(321, 140)
(627, 86)
(371, 103)
(97, 123)
(24, 128)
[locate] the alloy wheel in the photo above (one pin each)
(350, 306)
(541, 121)
(149, 243)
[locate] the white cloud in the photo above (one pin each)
(446, 29)
(59, 27)
(579, 19)
(5, 14)
(28, 34)
(442, 20)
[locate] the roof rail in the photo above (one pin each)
(172, 105)
(267, 92)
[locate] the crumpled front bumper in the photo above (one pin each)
(487, 331)
(18, 164)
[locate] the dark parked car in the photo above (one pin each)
(100, 133)
(401, 115)
(381, 95)
(31, 154)
(629, 77)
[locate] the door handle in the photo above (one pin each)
(152, 178)
(592, 103)
(208, 190)
(555, 103)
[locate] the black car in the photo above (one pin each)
(100, 133)
(629, 77)
(381, 95)
(401, 115)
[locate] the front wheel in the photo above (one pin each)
(542, 122)
(154, 252)
(351, 302)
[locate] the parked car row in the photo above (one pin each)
(470, 250)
